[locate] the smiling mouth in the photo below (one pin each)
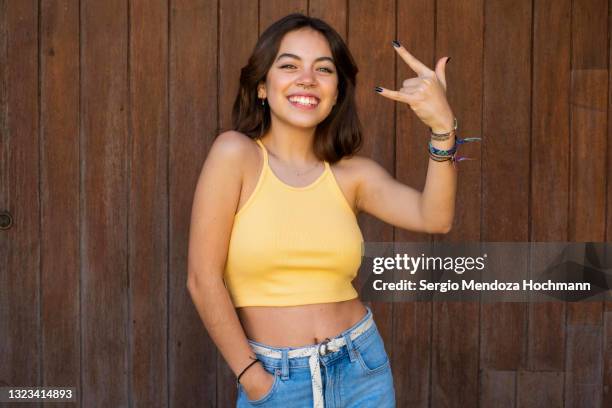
(303, 102)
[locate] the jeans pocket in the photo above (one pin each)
(372, 355)
(270, 392)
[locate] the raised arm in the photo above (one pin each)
(389, 200)
(214, 205)
(400, 205)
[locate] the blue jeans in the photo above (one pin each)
(357, 375)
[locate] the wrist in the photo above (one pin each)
(446, 126)
(252, 375)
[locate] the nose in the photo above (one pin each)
(307, 78)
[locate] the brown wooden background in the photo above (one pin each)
(107, 109)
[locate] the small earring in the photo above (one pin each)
(263, 102)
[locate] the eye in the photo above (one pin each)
(287, 65)
(329, 71)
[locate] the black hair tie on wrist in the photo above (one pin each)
(246, 368)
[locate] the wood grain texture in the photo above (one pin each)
(504, 213)
(549, 167)
(607, 320)
(148, 203)
(20, 246)
(412, 320)
(583, 379)
(333, 12)
(370, 45)
(497, 389)
(104, 212)
(235, 47)
(273, 10)
(456, 325)
(587, 205)
(607, 356)
(60, 189)
(540, 389)
(192, 380)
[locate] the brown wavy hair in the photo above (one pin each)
(339, 134)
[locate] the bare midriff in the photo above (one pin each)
(297, 326)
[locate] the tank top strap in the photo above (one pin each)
(265, 151)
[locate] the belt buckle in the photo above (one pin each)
(324, 344)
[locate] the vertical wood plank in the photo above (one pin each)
(272, 10)
(588, 102)
(19, 195)
(607, 321)
(60, 331)
(540, 389)
(412, 320)
(456, 324)
(104, 189)
(549, 168)
(583, 376)
(193, 124)
(238, 32)
(607, 356)
(148, 202)
(497, 388)
(371, 28)
(587, 210)
(333, 12)
(505, 215)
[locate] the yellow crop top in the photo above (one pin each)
(293, 245)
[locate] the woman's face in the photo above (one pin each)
(302, 84)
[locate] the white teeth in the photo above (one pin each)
(303, 100)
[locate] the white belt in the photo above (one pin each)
(313, 353)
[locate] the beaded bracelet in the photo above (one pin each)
(440, 137)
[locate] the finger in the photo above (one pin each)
(441, 71)
(416, 65)
(398, 96)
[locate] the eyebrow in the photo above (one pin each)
(298, 58)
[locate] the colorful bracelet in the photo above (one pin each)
(440, 155)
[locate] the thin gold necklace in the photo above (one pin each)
(299, 174)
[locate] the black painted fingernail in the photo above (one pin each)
(378, 89)
(448, 60)
(395, 43)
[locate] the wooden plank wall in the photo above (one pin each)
(107, 111)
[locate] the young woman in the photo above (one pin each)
(274, 240)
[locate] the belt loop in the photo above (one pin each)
(349, 346)
(285, 364)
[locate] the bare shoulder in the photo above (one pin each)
(227, 159)
(359, 168)
(233, 145)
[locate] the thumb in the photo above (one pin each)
(440, 71)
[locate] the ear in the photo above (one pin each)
(261, 91)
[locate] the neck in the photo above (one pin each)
(291, 145)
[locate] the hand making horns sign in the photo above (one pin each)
(426, 93)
